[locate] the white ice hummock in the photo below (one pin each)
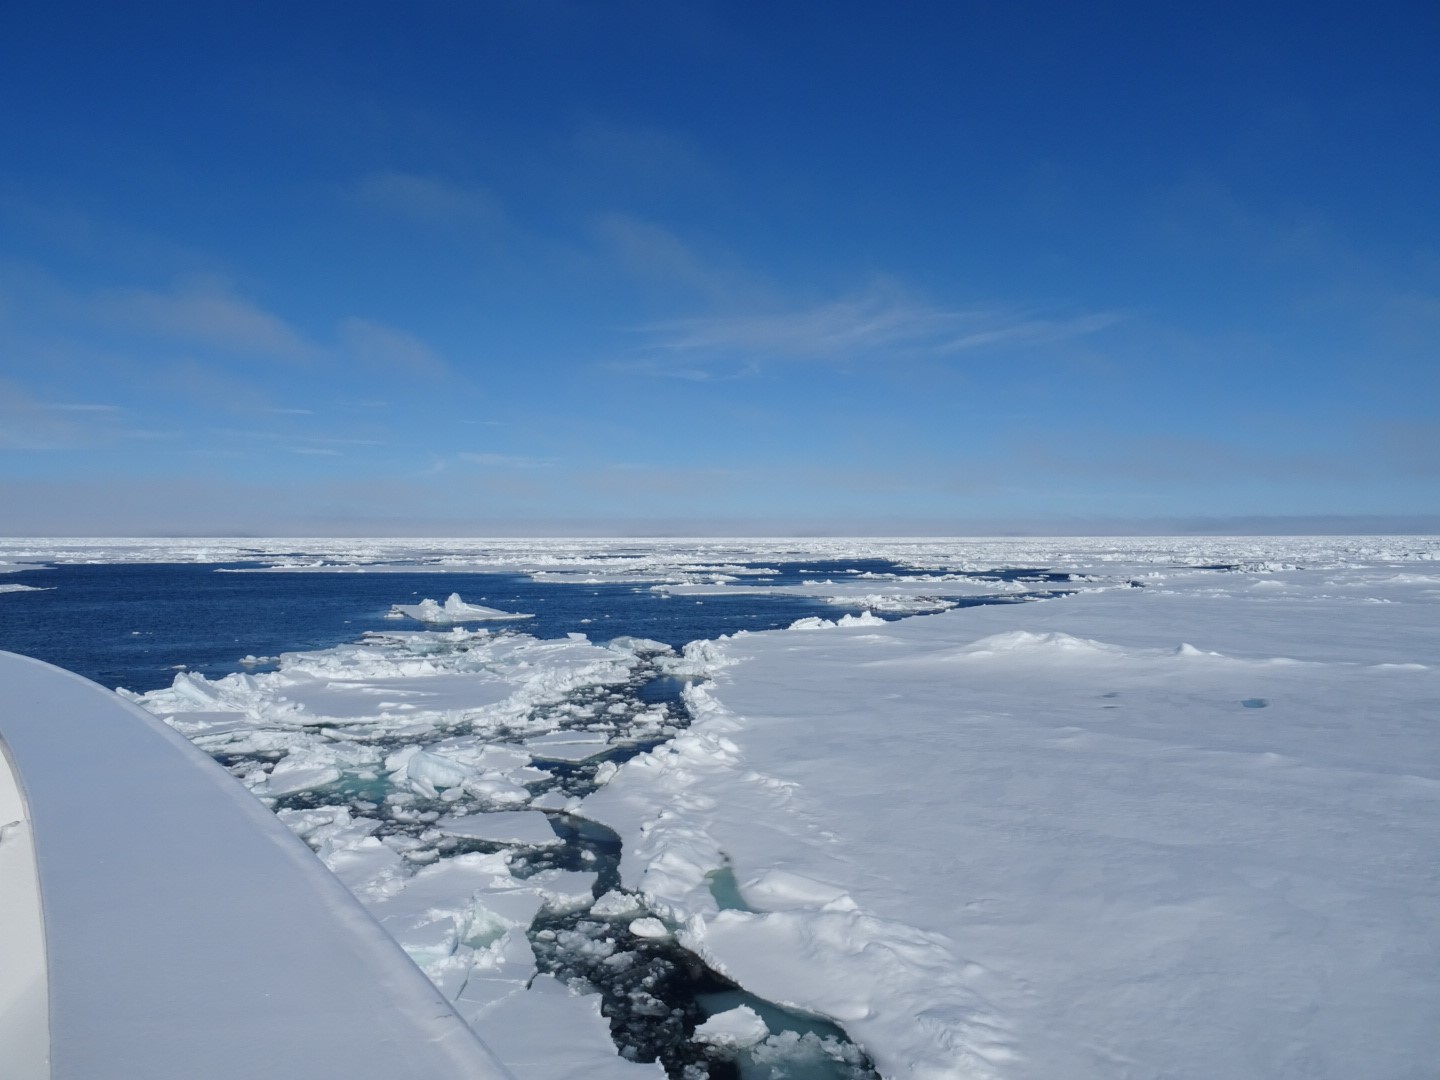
(454, 610)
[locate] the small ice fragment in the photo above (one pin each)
(649, 927)
(736, 1028)
(606, 772)
(615, 903)
(503, 826)
(567, 745)
(1255, 703)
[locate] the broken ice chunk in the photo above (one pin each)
(614, 904)
(736, 1028)
(503, 827)
(567, 745)
(649, 928)
(452, 611)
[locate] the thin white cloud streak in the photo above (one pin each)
(1032, 331)
(878, 323)
(27, 423)
(429, 200)
(503, 461)
(386, 349)
(649, 157)
(654, 253)
(205, 313)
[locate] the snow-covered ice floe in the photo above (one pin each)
(454, 610)
(1184, 831)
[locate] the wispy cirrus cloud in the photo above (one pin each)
(503, 461)
(203, 312)
(429, 200)
(644, 156)
(29, 423)
(882, 322)
(314, 451)
(390, 350)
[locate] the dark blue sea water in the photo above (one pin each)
(133, 625)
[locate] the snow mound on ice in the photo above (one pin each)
(814, 622)
(1053, 642)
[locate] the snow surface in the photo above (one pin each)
(24, 989)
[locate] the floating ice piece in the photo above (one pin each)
(553, 1033)
(299, 772)
(26, 588)
(649, 927)
(528, 827)
(568, 745)
(452, 611)
(737, 1029)
(427, 773)
(614, 904)
(564, 890)
(641, 646)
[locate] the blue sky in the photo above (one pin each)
(499, 267)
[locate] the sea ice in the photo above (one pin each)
(737, 1028)
(649, 927)
(1020, 842)
(1030, 841)
(528, 827)
(568, 745)
(454, 610)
